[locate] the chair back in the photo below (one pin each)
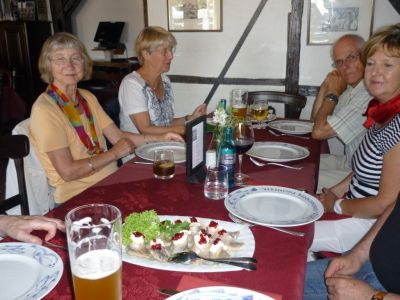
(293, 103)
(16, 147)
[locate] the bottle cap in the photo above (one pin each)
(211, 158)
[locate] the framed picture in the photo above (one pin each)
(194, 15)
(330, 19)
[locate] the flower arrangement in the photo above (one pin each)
(222, 119)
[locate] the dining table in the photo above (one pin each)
(132, 188)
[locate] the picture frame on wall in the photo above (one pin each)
(328, 20)
(194, 15)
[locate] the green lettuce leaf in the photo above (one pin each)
(146, 222)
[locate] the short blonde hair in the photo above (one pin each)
(386, 38)
(150, 38)
(62, 40)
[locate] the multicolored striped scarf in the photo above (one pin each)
(71, 112)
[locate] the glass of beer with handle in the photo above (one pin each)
(259, 112)
(94, 246)
(239, 103)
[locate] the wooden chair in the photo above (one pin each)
(294, 103)
(16, 147)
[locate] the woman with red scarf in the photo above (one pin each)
(374, 182)
(68, 126)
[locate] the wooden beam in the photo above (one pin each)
(236, 49)
(228, 81)
(293, 49)
(396, 5)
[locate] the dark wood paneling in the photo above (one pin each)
(293, 50)
(396, 5)
(61, 11)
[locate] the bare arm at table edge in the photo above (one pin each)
(123, 142)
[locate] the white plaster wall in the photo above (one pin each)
(263, 54)
(90, 12)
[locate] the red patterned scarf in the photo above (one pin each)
(381, 112)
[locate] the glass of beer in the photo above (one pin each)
(163, 165)
(259, 112)
(94, 246)
(239, 103)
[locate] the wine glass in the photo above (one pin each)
(259, 111)
(243, 138)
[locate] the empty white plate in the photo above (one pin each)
(278, 152)
(292, 126)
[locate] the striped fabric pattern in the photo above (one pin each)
(367, 161)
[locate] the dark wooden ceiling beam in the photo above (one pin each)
(61, 12)
(396, 5)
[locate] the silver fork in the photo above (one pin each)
(288, 134)
(260, 164)
(291, 232)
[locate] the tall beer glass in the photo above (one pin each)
(239, 103)
(94, 245)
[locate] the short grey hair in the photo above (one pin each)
(356, 38)
(62, 40)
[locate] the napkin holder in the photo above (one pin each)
(196, 131)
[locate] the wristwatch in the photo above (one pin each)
(332, 97)
(337, 208)
(378, 295)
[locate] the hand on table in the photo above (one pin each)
(20, 227)
(327, 198)
(122, 147)
(171, 136)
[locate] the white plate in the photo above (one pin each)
(246, 236)
(277, 151)
(220, 293)
(28, 271)
(274, 206)
(292, 126)
(146, 151)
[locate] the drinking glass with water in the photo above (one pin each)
(216, 183)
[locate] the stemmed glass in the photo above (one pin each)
(243, 138)
(259, 112)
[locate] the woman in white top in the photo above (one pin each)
(145, 95)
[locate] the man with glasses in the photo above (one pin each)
(339, 107)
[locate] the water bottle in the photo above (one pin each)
(227, 155)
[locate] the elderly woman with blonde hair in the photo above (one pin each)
(68, 127)
(145, 95)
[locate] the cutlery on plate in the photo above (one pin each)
(288, 134)
(241, 262)
(262, 164)
(142, 162)
(291, 232)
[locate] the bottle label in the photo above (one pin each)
(228, 159)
